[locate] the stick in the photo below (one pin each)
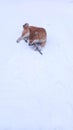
(37, 48)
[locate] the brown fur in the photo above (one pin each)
(35, 34)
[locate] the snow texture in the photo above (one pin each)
(36, 91)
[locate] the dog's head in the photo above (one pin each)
(25, 32)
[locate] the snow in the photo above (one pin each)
(36, 91)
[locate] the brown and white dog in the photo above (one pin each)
(33, 35)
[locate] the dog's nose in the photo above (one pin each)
(30, 44)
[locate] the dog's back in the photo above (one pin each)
(37, 35)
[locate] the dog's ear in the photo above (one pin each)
(25, 25)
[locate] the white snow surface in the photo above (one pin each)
(36, 91)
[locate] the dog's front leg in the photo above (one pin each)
(19, 39)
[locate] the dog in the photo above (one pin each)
(34, 36)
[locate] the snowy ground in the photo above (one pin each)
(36, 92)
